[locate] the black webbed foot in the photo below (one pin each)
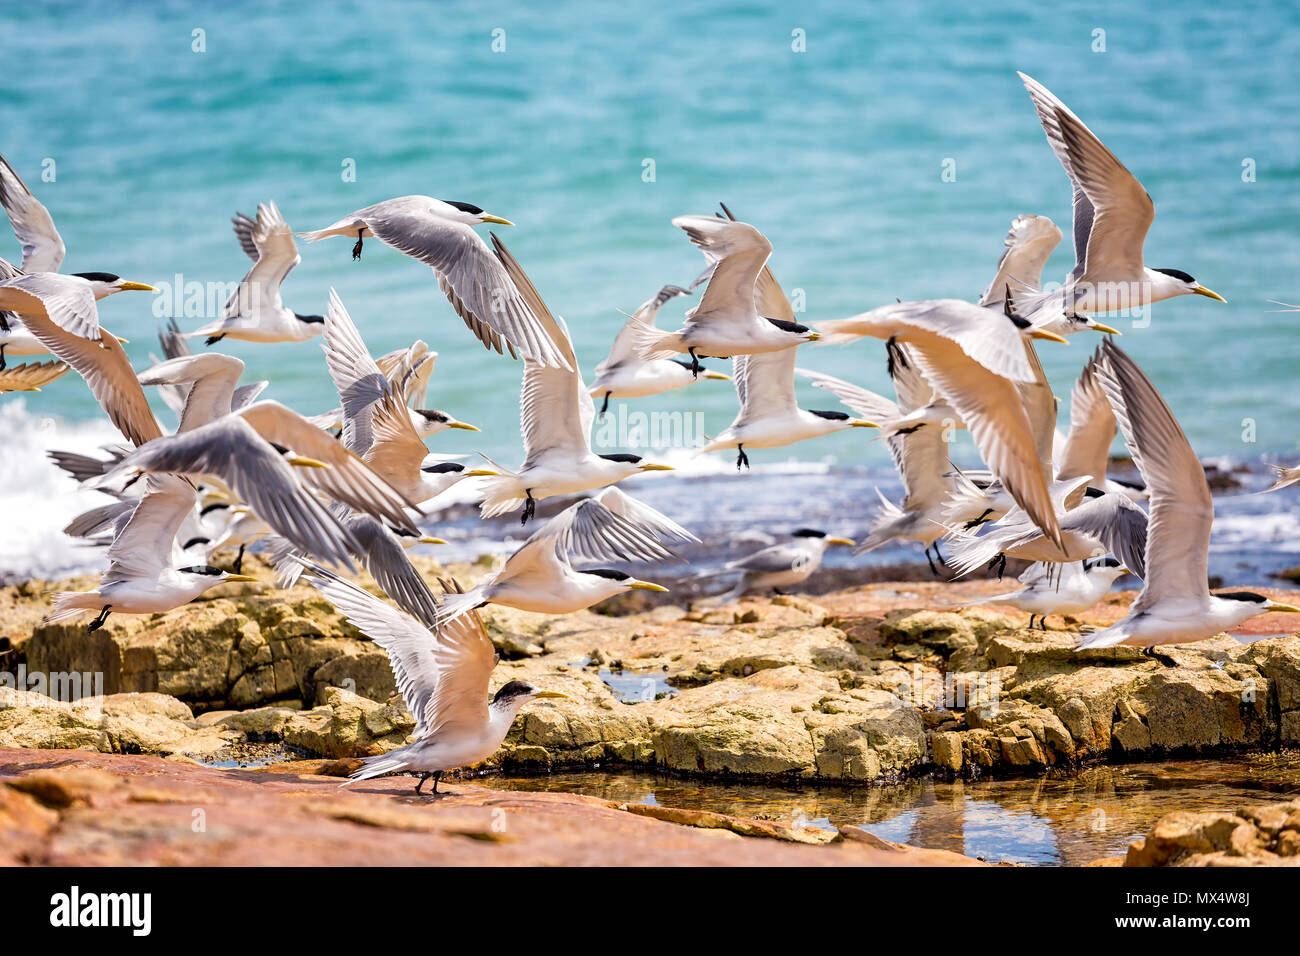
(356, 249)
(605, 405)
(98, 622)
(1156, 655)
(696, 367)
(530, 508)
(741, 457)
(214, 339)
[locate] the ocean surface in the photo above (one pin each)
(828, 126)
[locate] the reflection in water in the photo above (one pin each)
(1048, 821)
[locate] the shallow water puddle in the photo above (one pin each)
(631, 687)
(1059, 820)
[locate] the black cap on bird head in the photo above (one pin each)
(1248, 596)
(513, 690)
(473, 210)
(808, 533)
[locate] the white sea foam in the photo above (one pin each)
(37, 499)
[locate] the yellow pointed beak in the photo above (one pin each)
(718, 376)
(298, 461)
(120, 339)
(1097, 326)
(1049, 336)
(1208, 293)
(465, 425)
(1284, 608)
(655, 466)
(240, 577)
(645, 586)
(863, 423)
(136, 287)
(497, 219)
(430, 539)
(814, 336)
(551, 693)
(849, 542)
(481, 473)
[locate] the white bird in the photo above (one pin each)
(438, 234)
(732, 316)
(1072, 589)
(1101, 524)
(1028, 245)
(17, 340)
(175, 346)
(1175, 605)
(377, 423)
(540, 575)
(144, 576)
(782, 565)
(408, 371)
(556, 414)
(43, 248)
(974, 360)
(444, 679)
(67, 300)
(256, 312)
(626, 374)
(30, 376)
(249, 452)
(918, 427)
(383, 554)
(209, 382)
(43, 253)
(769, 415)
(55, 304)
(1086, 449)
(1112, 213)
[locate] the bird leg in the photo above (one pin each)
(239, 558)
(933, 569)
(436, 777)
(214, 339)
(98, 622)
(696, 367)
(741, 457)
(356, 250)
(2, 357)
(939, 554)
(1155, 655)
(999, 562)
(603, 408)
(1042, 622)
(423, 777)
(530, 507)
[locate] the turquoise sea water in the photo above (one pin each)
(836, 153)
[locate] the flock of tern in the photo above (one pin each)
(331, 492)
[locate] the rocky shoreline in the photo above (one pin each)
(860, 686)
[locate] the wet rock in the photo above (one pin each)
(946, 751)
(1259, 835)
(113, 811)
